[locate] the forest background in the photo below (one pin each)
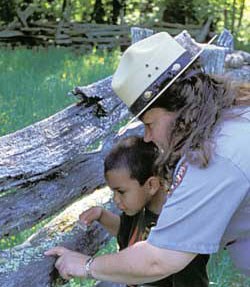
(231, 14)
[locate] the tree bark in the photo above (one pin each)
(26, 265)
(242, 8)
(38, 151)
(79, 176)
(205, 30)
(43, 161)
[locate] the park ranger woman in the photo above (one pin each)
(204, 139)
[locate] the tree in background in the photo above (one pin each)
(98, 13)
(182, 11)
(7, 10)
(233, 15)
(119, 11)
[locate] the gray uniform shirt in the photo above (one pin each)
(211, 206)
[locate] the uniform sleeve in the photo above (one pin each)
(196, 215)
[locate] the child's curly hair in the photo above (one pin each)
(135, 155)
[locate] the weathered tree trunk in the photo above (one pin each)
(221, 58)
(205, 30)
(37, 151)
(26, 265)
(43, 161)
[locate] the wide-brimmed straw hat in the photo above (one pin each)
(145, 65)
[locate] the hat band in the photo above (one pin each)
(154, 88)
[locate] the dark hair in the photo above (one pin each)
(135, 155)
(199, 100)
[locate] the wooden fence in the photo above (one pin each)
(48, 166)
(82, 36)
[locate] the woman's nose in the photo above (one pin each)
(147, 136)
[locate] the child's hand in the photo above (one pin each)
(90, 215)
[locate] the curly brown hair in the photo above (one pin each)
(135, 155)
(199, 101)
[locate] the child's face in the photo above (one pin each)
(129, 195)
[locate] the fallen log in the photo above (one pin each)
(78, 176)
(38, 151)
(25, 265)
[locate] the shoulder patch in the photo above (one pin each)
(180, 173)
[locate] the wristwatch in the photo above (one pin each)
(88, 273)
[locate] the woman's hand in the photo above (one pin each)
(69, 263)
(90, 215)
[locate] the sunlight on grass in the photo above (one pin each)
(223, 274)
(14, 240)
(35, 82)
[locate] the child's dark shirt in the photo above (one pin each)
(136, 228)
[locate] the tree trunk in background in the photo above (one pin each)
(179, 12)
(66, 10)
(117, 6)
(98, 12)
(123, 11)
(233, 16)
(64, 5)
(242, 8)
(7, 10)
(173, 12)
(225, 18)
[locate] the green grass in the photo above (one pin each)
(13, 240)
(34, 85)
(223, 274)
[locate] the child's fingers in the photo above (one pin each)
(85, 218)
(56, 251)
(88, 216)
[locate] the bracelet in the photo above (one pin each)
(88, 273)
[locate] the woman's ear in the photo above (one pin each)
(152, 185)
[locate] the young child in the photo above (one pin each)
(139, 194)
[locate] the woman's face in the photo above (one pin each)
(158, 123)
